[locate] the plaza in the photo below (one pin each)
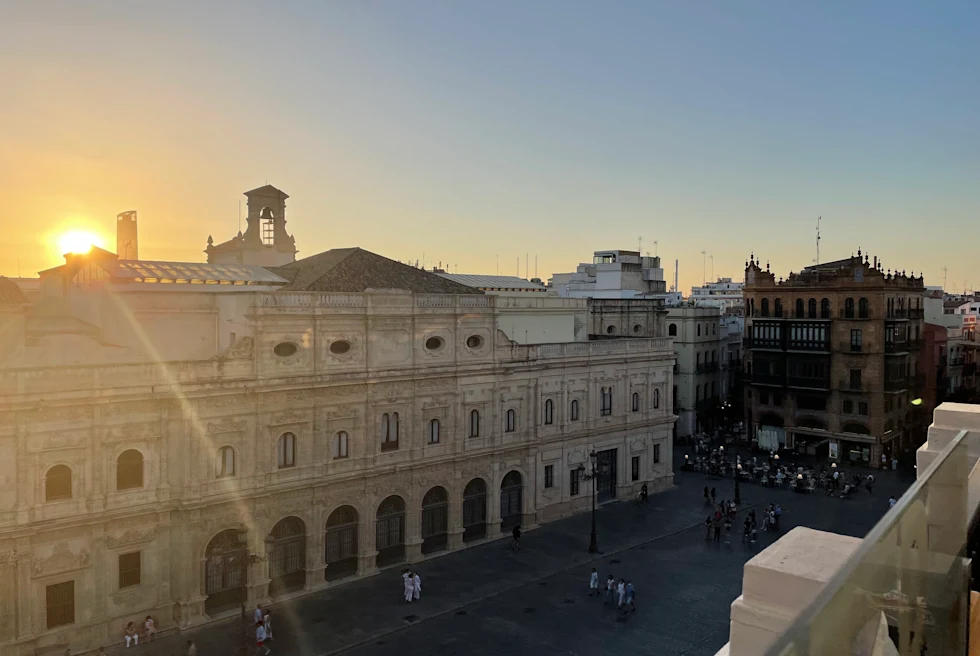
(489, 599)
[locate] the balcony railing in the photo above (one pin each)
(808, 383)
(801, 345)
(847, 385)
(956, 362)
(851, 347)
(898, 385)
(910, 572)
(768, 379)
(896, 347)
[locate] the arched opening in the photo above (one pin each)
(857, 429)
(799, 308)
(635, 402)
(863, 308)
(341, 543)
(511, 500)
(287, 450)
(811, 422)
(225, 572)
(341, 445)
(268, 222)
(510, 421)
(287, 556)
(225, 462)
(656, 399)
(849, 308)
(435, 519)
(434, 431)
(129, 470)
(389, 532)
(765, 307)
(549, 411)
(825, 308)
(474, 423)
(811, 307)
(475, 510)
(57, 483)
(777, 308)
(672, 330)
(771, 419)
(573, 411)
(699, 330)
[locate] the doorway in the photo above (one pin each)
(606, 475)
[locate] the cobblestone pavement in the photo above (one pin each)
(489, 599)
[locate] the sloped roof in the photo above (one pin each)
(357, 270)
(267, 190)
(493, 282)
(11, 294)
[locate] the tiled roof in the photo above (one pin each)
(357, 270)
(493, 282)
(11, 294)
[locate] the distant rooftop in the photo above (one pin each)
(494, 283)
(192, 272)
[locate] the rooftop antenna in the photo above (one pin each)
(712, 267)
(817, 261)
(525, 266)
(239, 216)
(704, 267)
(655, 245)
(535, 266)
(639, 246)
(945, 270)
(498, 264)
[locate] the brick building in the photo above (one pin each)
(832, 359)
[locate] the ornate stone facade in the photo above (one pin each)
(343, 432)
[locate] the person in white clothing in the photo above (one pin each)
(416, 585)
(620, 593)
(409, 585)
(594, 583)
(258, 614)
(267, 622)
(260, 639)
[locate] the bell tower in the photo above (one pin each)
(265, 241)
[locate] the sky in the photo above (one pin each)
(471, 133)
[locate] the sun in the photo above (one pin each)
(78, 241)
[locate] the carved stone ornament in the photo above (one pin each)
(131, 432)
(59, 440)
(225, 401)
(576, 456)
(62, 560)
(62, 413)
(637, 445)
(434, 383)
(226, 425)
(288, 417)
(242, 349)
(131, 536)
(129, 408)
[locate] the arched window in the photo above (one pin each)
(225, 462)
(341, 445)
(672, 330)
(605, 401)
(389, 431)
(811, 307)
(799, 308)
(636, 402)
(434, 431)
(825, 308)
(474, 423)
(57, 483)
(574, 410)
(699, 330)
(698, 358)
(287, 450)
(129, 470)
(849, 308)
(549, 411)
(656, 398)
(510, 424)
(777, 308)
(863, 308)
(765, 307)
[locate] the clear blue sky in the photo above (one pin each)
(470, 129)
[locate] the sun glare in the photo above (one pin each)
(78, 241)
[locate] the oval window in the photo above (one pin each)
(611, 329)
(285, 349)
(474, 341)
(339, 347)
(637, 328)
(434, 343)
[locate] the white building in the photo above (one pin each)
(345, 413)
(959, 318)
(701, 346)
(613, 274)
(724, 294)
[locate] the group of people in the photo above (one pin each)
(412, 585)
(132, 634)
(263, 629)
(723, 517)
(622, 594)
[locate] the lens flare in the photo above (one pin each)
(78, 241)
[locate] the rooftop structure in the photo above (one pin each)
(496, 284)
(613, 274)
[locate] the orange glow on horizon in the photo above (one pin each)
(78, 241)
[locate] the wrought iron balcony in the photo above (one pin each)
(898, 385)
(808, 383)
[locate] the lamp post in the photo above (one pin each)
(593, 460)
(738, 494)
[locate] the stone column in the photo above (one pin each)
(8, 590)
(315, 565)
(258, 571)
(367, 551)
(413, 532)
(25, 593)
(493, 506)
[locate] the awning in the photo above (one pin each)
(824, 434)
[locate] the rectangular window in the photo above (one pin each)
(130, 566)
(856, 340)
(848, 406)
(60, 604)
(656, 454)
(573, 481)
(635, 468)
(863, 408)
(549, 475)
(855, 379)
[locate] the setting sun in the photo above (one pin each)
(78, 241)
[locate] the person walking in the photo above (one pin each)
(610, 589)
(869, 482)
(630, 598)
(190, 649)
(707, 497)
(258, 614)
(620, 593)
(891, 502)
(260, 647)
(777, 511)
(267, 622)
(416, 585)
(712, 495)
(746, 529)
(716, 527)
(517, 537)
(594, 583)
(707, 528)
(408, 585)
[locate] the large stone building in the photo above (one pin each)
(833, 356)
(701, 378)
(341, 413)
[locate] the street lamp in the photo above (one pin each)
(593, 460)
(738, 494)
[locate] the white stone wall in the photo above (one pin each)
(178, 415)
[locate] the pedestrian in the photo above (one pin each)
(260, 639)
(131, 635)
(409, 585)
(630, 596)
(777, 511)
(258, 614)
(747, 529)
(620, 593)
(891, 502)
(728, 529)
(417, 585)
(712, 495)
(594, 583)
(707, 499)
(707, 528)
(149, 628)
(610, 589)
(869, 482)
(517, 537)
(716, 526)
(190, 649)
(267, 622)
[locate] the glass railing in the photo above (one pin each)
(908, 582)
